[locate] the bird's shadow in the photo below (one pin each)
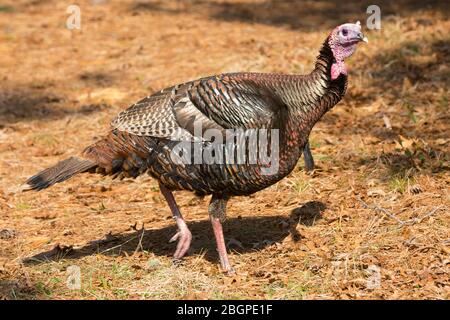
(243, 234)
(37, 102)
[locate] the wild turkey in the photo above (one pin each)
(145, 137)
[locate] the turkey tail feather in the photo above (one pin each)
(62, 171)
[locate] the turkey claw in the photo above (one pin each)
(184, 238)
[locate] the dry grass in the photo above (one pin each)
(378, 199)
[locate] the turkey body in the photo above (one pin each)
(145, 135)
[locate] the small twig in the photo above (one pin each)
(140, 241)
(383, 210)
(392, 216)
(419, 220)
(119, 245)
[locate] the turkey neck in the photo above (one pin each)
(308, 98)
(314, 94)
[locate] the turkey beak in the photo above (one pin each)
(361, 37)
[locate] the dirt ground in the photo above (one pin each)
(371, 222)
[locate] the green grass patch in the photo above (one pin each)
(300, 185)
(45, 140)
(7, 8)
(399, 184)
(23, 206)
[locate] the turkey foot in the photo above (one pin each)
(184, 237)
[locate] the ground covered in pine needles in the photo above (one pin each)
(372, 221)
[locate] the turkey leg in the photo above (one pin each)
(184, 235)
(217, 213)
(308, 158)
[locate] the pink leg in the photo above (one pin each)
(217, 212)
(221, 248)
(184, 235)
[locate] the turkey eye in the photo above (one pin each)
(344, 32)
